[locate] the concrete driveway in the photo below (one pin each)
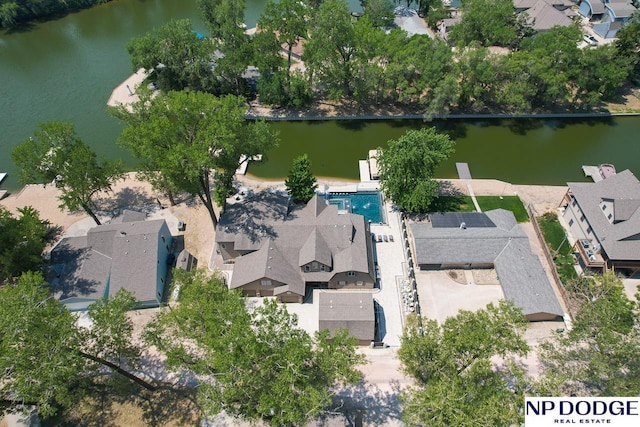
(440, 296)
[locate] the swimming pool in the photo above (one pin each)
(365, 203)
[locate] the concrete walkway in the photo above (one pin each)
(465, 174)
(391, 262)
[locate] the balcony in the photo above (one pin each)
(591, 258)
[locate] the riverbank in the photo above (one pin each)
(131, 193)
(627, 105)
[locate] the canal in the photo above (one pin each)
(66, 69)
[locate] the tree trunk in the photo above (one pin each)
(205, 196)
(212, 214)
(89, 212)
(171, 199)
(119, 370)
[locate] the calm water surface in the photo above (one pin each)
(519, 151)
(66, 69)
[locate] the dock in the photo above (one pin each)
(465, 174)
(598, 173)
(244, 163)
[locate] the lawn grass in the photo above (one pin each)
(486, 203)
(558, 245)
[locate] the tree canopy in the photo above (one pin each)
(225, 19)
(407, 168)
(186, 58)
(56, 154)
(252, 364)
(599, 355)
(488, 22)
(45, 358)
(300, 183)
(23, 241)
(456, 383)
(193, 142)
(14, 12)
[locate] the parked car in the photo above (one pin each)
(590, 40)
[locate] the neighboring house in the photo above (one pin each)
(129, 253)
(604, 218)
(488, 240)
(280, 251)
(607, 16)
(546, 14)
(350, 310)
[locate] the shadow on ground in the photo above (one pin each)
(367, 404)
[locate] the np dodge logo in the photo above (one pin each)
(610, 411)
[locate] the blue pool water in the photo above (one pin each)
(365, 203)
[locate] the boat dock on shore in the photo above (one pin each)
(600, 172)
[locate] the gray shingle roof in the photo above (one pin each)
(313, 232)
(506, 246)
(621, 8)
(351, 310)
(545, 16)
(315, 249)
(597, 6)
(624, 190)
(110, 257)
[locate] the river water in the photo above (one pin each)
(66, 69)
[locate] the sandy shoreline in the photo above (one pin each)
(199, 235)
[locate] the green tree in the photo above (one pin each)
(488, 22)
(289, 19)
(600, 75)
(55, 153)
(36, 335)
(553, 59)
(599, 355)
(254, 365)
(329, 54)
(194, 142)
(407, 168)
(23, 241)
(186, 59)
(455, 380)
(282, 24)
(225, 19)
(380, 12)
(9, 13)
(628, 43)
(46, 359)
(300, 183)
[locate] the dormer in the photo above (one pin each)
(623, 209)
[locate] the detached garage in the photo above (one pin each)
(351, 310)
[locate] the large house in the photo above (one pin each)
(488, 240)
(130, 253)
(604, 218)
(280, 250)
